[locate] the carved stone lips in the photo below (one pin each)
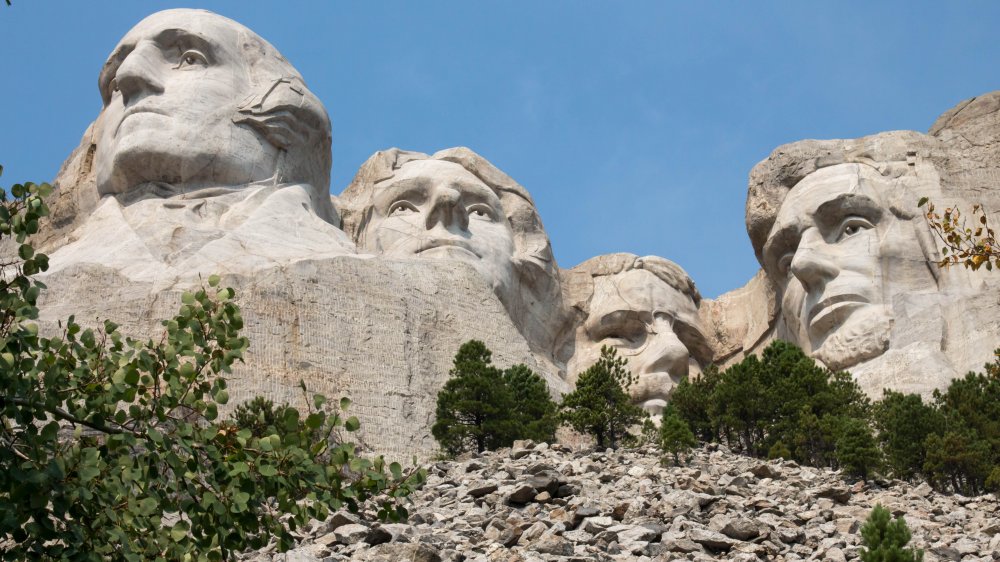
(137, 109)
(445, 245)
(829, 305)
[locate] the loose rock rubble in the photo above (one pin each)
(537, 503)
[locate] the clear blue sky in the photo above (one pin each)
(633, 124)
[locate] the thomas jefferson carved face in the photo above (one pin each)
(651, 324)
(171, 89)
(439, 210)
(828, 250)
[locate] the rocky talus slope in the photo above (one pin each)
(546, 503)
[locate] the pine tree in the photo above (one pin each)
(857, 452)
(904, 422)
(600, 404)
(535, 413)
(885, 540)
(675, 435)
(474, 407)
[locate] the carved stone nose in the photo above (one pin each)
(813, 265)
(445, 210)
(670, 354)
(137, 76)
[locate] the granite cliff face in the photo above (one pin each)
(211, 155)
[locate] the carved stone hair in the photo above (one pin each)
(890, 154)
(613, 264)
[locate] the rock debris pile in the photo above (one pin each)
(535, 503)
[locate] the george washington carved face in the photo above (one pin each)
(194, 99)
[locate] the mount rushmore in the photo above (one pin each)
(212, 156)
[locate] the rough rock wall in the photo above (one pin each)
(381, 332)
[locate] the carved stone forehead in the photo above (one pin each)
(641, 291)
(772, 179)
(221, 32)
(826, 184)
(198, 22)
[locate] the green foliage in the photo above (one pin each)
(535, 413)
(857, 452)
(600, 404)
(112, 448)
(779, 451)
(483, 408)
(957, 459)
(676, 437)
(473, 408)
(904, 422)
(691, 399)
(885, 540)
(993, 480)
(779, 405)
(964, 450)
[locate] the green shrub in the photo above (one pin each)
(884, 540)
(692, 398)
(857, 452)
(536, 415)
(474, 409)
(482, 408)
(993, 480)
(904, 422)
(600, 404)
(112, 448)
(676, 437)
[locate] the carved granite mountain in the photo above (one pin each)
(852, 261)
(212, 156)
(180, 177)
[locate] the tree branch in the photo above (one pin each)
(66, 416)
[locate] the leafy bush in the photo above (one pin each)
(884, 539)
(857, 452)
(692, 398)
(112, 448)
(483, 408)
(535, 413)
(779, 405)
(676, 437)
(600, 404)
(904, 422)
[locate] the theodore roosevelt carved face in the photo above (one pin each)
(194, 99)
(436, 209)
(829, 248)
(646, 308)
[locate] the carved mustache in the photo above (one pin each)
(445, 243)
(130, 111)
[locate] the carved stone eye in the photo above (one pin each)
(853, 226)
(401, 208)
(192, 57)
(480, 212)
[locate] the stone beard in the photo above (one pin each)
(832, 244)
